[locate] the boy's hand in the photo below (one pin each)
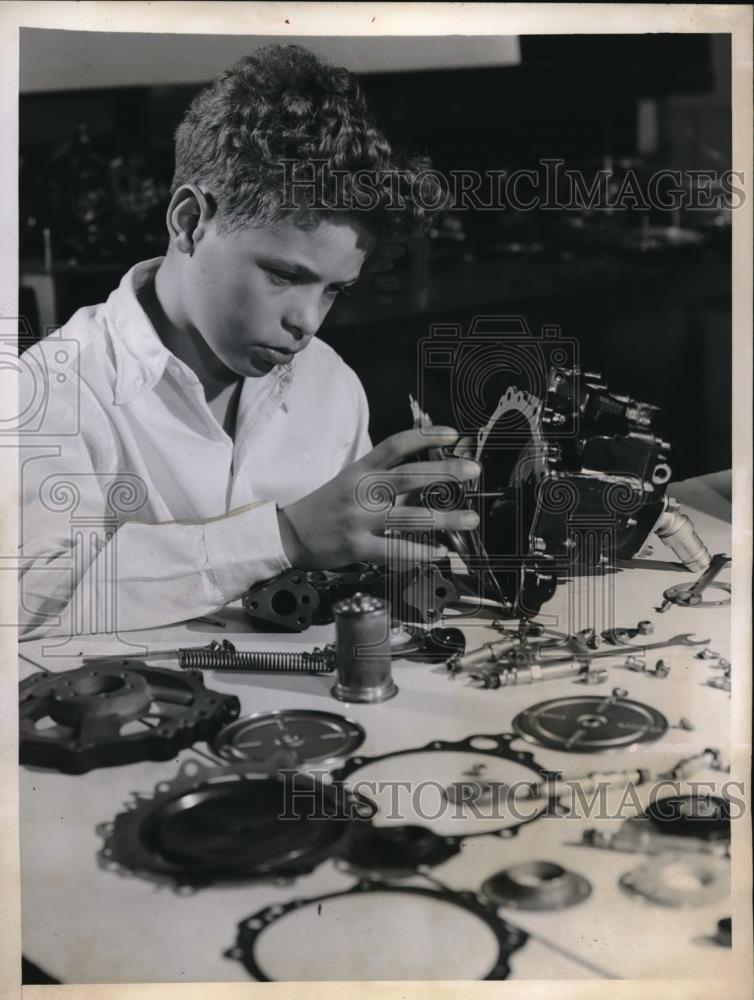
(345, 520)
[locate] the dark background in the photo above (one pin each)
(647, 296)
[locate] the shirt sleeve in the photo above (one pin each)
(89, 565)
(361, 443)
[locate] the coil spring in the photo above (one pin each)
(318, 662)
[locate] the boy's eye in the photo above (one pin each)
(278, 277)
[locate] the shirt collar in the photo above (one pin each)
(140, 355)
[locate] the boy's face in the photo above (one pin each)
(258, 296)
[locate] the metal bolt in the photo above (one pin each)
(634, 663)
(707, 654)
(594, 676)
(661, 669)
(645, 628)
(723, 683)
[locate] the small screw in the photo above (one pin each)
(661, 669)
(634, 663)
(594, 677)
(723, 683)
(645, 628)
(686, 724)
(707, 654)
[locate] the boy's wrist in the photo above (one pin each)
(292, 546)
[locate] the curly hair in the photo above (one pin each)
(283, 135)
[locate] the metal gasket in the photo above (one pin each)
(78, 720)
(474, 789)
(309, 736)
(229, 825)
(588, 724)
(250, 930)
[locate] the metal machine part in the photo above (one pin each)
(689, 595)
(724, 932)
(362, 650)
(498, 676)
(678, 533)
(593, 458)
(297, 599)
(536, 885)
(228, 824)
(224, 656)
(587, 724)
(464, 788)
(324, 952)
(680, 880)
(700, 824)
(703, 816)
(106, 714)
(385, 852)
(308, 736)
(569, 653)
(428, 646)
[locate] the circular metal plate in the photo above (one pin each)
(537, 885)
(588, 724)
(317, 939)
(228, 825)
(394, 851)
(109, 713)
(705, 816)
(680, 880)
(309, 737)
(679, 595)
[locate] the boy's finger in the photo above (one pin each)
(395, 551)
(398, 446)
(406, 518)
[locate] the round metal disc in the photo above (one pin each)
(583, 725)
(394, 851)
(537, 885)
(310, 736)
(702, 816)
(679, 593)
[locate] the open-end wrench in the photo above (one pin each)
(684, 639)
(689, 595)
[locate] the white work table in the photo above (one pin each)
(84, 924)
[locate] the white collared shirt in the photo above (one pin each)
(137, 509)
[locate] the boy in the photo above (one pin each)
(199, 438)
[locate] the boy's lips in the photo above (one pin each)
(276, 355)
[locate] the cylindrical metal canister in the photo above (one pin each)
(362, 650)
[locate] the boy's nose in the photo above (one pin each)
(303, 319)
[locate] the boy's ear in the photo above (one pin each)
(188, 213)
